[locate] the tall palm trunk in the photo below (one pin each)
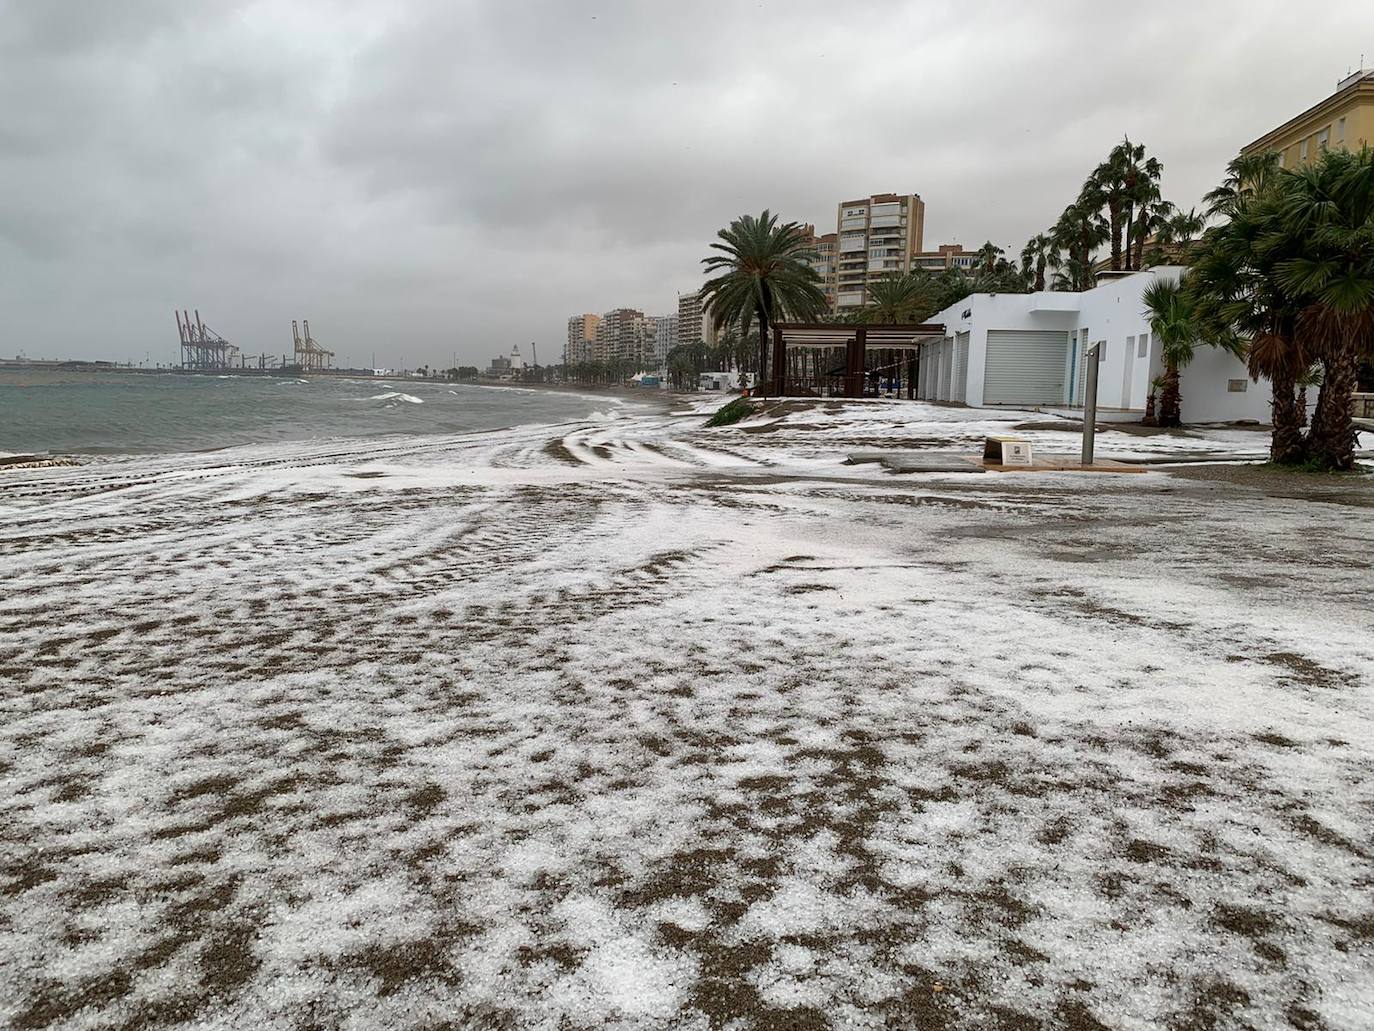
(1142, 225)
(762, 386)
(1286, 445)
(1171, 399)
(1114, 216)
(1332, 437)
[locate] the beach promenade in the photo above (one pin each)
(631, 723)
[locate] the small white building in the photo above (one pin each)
(718, 381)
(1027, 351)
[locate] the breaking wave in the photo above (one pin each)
(396, 395)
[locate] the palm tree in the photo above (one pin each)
(1151, 217)
(1172, 321)
(1126, 182)
(1139, 189)
(1238, 298)
(1328, 209)
(893, 299)
(988, 255)
(1038, 254)
(762, 274)
(1079, 231)
(1175, 236)
(1105, 188)
(1246, 176)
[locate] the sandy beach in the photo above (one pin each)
(630, 723)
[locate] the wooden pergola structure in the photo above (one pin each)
(895, 345)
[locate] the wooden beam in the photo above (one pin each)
(779, 363)
(854, 367)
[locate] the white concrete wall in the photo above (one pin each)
(993, 311)
(1114, 313)
(1203, 386)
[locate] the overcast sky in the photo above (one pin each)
(419, 178)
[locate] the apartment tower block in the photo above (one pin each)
(878, 236)
(581, 338)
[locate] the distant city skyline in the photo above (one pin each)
(434, 178)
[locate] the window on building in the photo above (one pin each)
(1101, 351)
(1130, 346)
(1144, 345)
(1282, 155)
(1323, 139)
(1340, 132)
(1302, 149)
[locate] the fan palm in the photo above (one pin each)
(1151, 218)
(1246, 176)
(1140, 185)
(1238, 297)
(1175, 235)
(1079, 231)
(1329, 207)
(987, 256)
(1171, 314)
(762, 275)
(1038, 254)
(1105, 188)
(894, 299)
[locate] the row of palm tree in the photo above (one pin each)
(732, 352)
(917, 295)
(602, 372)
(1120, 205)
(1286, 278)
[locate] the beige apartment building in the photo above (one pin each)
(581, 338)
(1344, 119)
(945, 256)
(692, 328)
(824, 248)
(625, 334)
(876, 236)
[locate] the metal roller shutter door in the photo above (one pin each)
(1025, 366)
(961, 367)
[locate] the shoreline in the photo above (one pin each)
(664, 398)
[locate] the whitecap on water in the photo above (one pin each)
(393, 395)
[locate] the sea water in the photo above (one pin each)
(43, 411)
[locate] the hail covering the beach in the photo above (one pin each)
(629, 723)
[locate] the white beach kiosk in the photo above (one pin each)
(1030, 351)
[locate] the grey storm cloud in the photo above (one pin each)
(434, 177)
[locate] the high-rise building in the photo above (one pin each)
(666, 337)
(581, 338)
(625, 334)
(823, 261)
(947, 255)
(877, 236)
(694, 321)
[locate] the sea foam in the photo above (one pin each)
(395, 395)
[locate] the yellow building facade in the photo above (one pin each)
(1345, 119)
